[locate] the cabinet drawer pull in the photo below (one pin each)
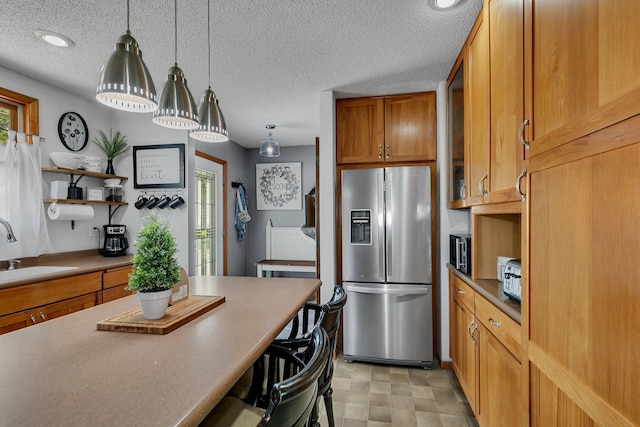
(379, 151)
(521, 134)
(493, 322)
(518, 179)
(42, 316)
(481, 185)
(33, 319)
(388, 150)
(460, 291)
(469, 328)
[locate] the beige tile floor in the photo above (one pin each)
(372, 395)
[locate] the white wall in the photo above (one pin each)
(52, 104)
(139, 130)
(327, 214)
(449, 220)
(236, 158)
(255, 235)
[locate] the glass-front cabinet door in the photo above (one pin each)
(455, 134)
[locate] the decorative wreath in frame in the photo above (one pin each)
(285, 192)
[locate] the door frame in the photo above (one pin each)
(223, 163)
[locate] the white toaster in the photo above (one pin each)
(512, 279)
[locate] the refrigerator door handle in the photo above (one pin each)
(405, 290)
(389, 222)
(381, 224)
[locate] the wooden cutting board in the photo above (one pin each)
(177, 315)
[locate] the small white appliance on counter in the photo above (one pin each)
(512, 279)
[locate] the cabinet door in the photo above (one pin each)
(410, 127)
(359, 130)
(62, 308)
(506, 41)
(15, 321)
(113, 283)
(114, 293)
(584, 68)
(456, 133)
(583, 270)
(478, 101)
(463, 351)
(25, 297)
(116, 277)
(499, 400)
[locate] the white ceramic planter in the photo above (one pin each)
(154, 304)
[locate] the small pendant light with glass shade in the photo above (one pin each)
(270, 147)
(125, 82)
(212, 126)
(176, 107)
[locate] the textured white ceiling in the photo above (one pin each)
(270, 59)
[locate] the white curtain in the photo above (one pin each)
(21, 201)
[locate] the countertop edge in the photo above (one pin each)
(492, 291)
(86, 261)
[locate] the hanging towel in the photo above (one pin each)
(242, 215)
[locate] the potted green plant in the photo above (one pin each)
(155, 268)
(112, 147)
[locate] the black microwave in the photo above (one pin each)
(460, 252)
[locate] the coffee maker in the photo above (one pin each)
(115, 243)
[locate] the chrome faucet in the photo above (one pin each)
(10, 236)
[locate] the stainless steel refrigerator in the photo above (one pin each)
(386, 265)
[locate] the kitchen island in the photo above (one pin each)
(66, 372)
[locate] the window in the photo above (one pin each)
(205, 223)
(8, 118)
(20, 113)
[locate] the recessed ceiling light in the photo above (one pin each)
(444, 4)
(54, 39)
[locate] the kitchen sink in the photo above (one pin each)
(26, 272)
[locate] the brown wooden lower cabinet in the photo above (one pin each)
(22, 319)
(59, 297)
(550, 406)
(463, 346)
(15, 321)
(499, 378)
(114, 281)
(489, 373)
(62, 308)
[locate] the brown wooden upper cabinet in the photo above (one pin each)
(477, 113)
(584, 66)
(506, 62)
(399, 128)
(492, 60)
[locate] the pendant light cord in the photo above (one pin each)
(128, 32)
(209, 37)
(175, 27)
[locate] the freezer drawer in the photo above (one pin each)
(388, 323)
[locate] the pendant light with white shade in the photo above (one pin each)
(212, 126)
(176, 107)
(125, 82)
(270, 147)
